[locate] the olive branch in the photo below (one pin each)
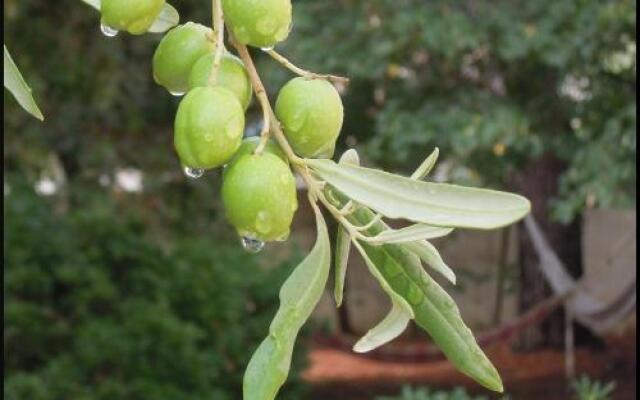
(360, 199)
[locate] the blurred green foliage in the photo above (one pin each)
(494, 84)
(586, 388)
(112, 294)
(425, 393)
(97, 306)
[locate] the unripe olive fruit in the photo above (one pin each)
(134, 17)
(259, 196)
(231, 75)
(311, 114)
(176, 54)
(250, 144)
(208, 127)
(260, 23)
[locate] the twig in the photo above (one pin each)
(218, 30)
(271, 124)
(302, 72)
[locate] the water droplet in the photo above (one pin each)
(193, 173)
(266, 48)
(251, 245)
(108, 31)
(177, 94)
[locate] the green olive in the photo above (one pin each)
(262, 23)
(208, 128)
(259, 196)
(249, 145)
(231, 75)
(311, 114)
(134, 17)
(176, 54)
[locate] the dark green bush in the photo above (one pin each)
(97, 308)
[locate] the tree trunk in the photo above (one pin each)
(539, 183)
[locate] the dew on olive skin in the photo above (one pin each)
(251, 245)
(193, 173)
(108, 31)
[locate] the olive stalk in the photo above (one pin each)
(302, 72)
(218, 31)
(298, 163)
(271, 124)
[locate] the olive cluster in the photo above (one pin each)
(259, 190)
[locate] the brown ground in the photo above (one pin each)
(336, 374)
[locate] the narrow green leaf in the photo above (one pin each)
(430, 255)
(167, 19)
(400, 314)
(343, 246)
(343, 241)
(431, 203)
(427, 165)
(14, 81)
(437, 313)
(350, 157)
(410, 234)
(269, 366)
(388, 329)
(433, 308)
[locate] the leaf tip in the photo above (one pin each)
(361, 346)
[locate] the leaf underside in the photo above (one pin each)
(269, 366)
(436, 204)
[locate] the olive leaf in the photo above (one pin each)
(427, 202)
(410, 234)
(343, 246)
(430, 255)
(427, 165)
(16, 84)
(343, 241)
(398, 317)
(434, 310)
(269, 366)
(392, 326)
(167, 19)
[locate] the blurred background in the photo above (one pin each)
(122, 279)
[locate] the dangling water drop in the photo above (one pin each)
(193, 173)
(177, 94)
(251, 245)
(107, 30)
